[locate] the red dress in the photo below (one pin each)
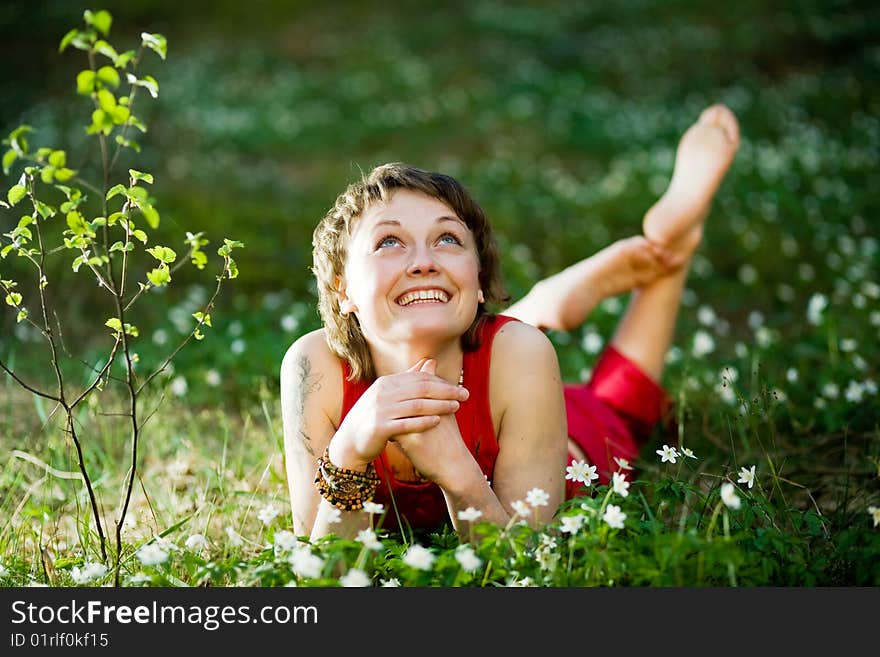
(611, 415)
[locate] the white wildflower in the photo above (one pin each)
(470, 514)
(873, 510)
(306, 564)
(622, 463)
(703, 344)
(614, 517)
(667, 453)
(235, 539)
(729, 496)
(854, 392)
(355, 578)
(620, 484)
(369, 539)
(267, 514)
(520, 508)
(747, 476)
(688, 452)
(467, 558)
(152, 555)
(196, 542)
(284, 541)
(374, 509)
(212, 378)
(815, 308)
(419, 557)
(572, 524)
(391, 583)
(88, 573)
(580, 472)
(178, 386)
(537, 497)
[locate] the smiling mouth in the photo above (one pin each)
(423, 296)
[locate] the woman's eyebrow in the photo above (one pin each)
(440, 219)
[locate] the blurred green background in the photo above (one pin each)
(562, 118)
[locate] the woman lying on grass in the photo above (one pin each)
(415, 397)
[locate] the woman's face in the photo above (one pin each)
(412, 271)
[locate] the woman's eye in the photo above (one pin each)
(388, 240)
(449, 238)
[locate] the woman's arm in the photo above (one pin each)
(526, 384)
(311, 401)
(526, 394)
(311, 398)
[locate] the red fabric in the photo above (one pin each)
(611, 415)
(422, 504)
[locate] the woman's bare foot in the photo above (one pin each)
(563, 301)
(704, 155)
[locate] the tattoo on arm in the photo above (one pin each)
(309, 382)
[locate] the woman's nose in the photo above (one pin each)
(422, 263)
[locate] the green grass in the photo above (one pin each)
(563, 122)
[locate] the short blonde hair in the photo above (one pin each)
(330, 241)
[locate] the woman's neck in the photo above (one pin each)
(397, 358)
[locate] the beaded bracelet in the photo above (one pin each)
(344, 488)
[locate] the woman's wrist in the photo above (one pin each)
(343, 454)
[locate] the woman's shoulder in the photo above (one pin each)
(310, 365)
(517, 339)
(520, 352)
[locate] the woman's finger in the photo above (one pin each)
(412, 424)
(422, 407)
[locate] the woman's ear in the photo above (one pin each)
(346, 305)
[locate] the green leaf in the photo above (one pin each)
(199, 259)
(13, 299)
(231, 269)
(132, 330)
(115, 191)
(106, 100)
(137, 194)
(100, 20)
(106, 49)
(58, 158)
(17, 140)
(141, 235)
(114, 323)
(124, 58)
(119, 114)
(109, 75)
(101, 122)
(198, 335)
(159, 276)
(128, 143)
(155, 42)
(137, 123)
(204, 318)
(148, 82)
(16, 193)
(85, 82)
(8, 158)
(22, 315)
(64, 174)
(47, 174)
(67, 38)
(151, 215)
(44, 209)
(162, 254)
(139, 175)
(227, 247)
